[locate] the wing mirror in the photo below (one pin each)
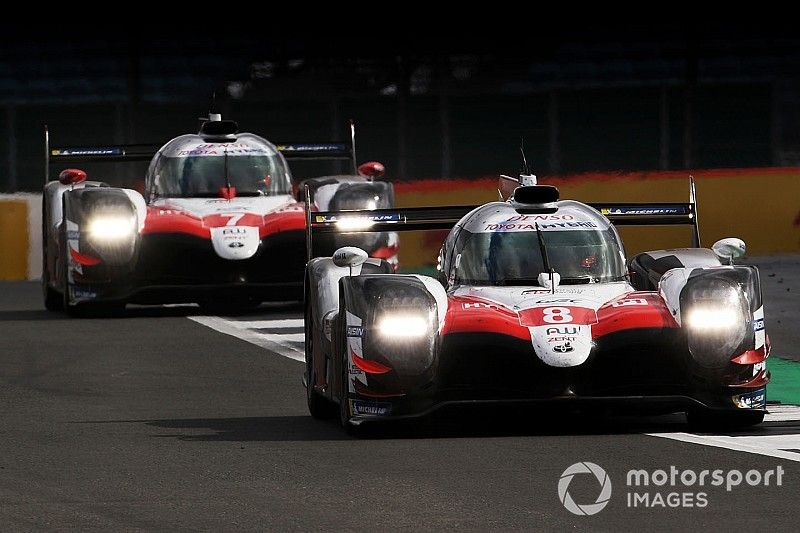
(728, 250)
(372, 169)
(350, 256)
(71, 176)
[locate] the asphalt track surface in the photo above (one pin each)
(155, 421)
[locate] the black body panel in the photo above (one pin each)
(176, 267)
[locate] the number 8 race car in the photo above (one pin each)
(215, 212)
(535, 303)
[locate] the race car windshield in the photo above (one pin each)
(515, 258)
(202, 175)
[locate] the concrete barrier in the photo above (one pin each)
(20, 236)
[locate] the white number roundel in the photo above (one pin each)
(556, 315)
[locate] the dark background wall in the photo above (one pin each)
(659, 97)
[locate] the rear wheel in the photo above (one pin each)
(704, 420)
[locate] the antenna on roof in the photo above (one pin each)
(353, 145)
(525, 176)
(525, 168)
(212, 115)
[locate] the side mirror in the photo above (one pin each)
(350, 256)
(728, 250)
(71, 176)
(372, 169)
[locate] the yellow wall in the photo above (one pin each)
(13, 239)
(761, 206)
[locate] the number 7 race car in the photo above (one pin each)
(535, 303)
(216, 210)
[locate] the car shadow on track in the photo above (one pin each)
(460, 425)
(447, 423)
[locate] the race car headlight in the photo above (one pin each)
(105, 228)
(403, 326)
(712, 318)
(716, 315)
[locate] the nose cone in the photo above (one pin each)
(235, 242)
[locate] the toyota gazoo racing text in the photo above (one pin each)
(216, 223)
(535, 303)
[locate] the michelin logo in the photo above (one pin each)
(359, 407)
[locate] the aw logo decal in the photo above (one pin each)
(586, 509)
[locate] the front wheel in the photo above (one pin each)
(53, 300)
(319, 407)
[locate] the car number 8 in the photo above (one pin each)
(556, 315)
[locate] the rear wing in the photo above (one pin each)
(427, 218)
(117, 153)
(392, 219)
(334, 151)
(650, 214)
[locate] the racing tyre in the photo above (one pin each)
(319, 407)
(711, 420)
(53, 300)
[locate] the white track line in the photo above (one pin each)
(768, 442)
(256, 324)
(275, 342)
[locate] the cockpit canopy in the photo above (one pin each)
(191, 166)
(498, 245)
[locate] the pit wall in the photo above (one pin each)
(759, 205)
(20, 236)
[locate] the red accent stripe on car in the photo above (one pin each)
(162, 220)
(760, 380)
(370, 367)
(751, 357)
(634, 310)
(83, 259)
(468, 314)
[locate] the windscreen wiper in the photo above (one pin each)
(227, 178)
(545, 259)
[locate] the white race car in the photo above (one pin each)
(535, 304)
(216, 209)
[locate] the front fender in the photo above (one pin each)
(728, 312)
(404, 301)
(83, 206)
